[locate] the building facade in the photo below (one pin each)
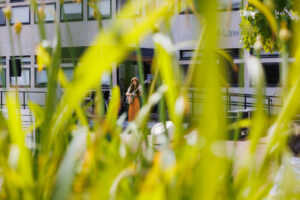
(83, 29)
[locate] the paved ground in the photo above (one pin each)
(240, 148)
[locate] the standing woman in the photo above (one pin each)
(134, 91)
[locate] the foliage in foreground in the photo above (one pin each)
(74, 161)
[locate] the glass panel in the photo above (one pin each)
(231, 71)
(104, 6)
(106, 79)
(23, 80)
(2, 18)
(234, 53)
(72, 11)
(41, 78)
(49, 10)
(2, 1)
(21, 14)
(272, 72)
(68, 73)
(188, 54)
(3, 60)
(3, 77)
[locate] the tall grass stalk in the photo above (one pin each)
(75, 161)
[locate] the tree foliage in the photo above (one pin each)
(256, 30)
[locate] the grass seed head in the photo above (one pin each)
(18, 27)
(7, 12)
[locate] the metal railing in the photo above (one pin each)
(246, 101)
(236, 100)
(24, 98)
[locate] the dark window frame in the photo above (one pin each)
(61, 15)
(35, 14)
(29, 14)
(103, 16)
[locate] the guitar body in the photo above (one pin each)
(129, 99)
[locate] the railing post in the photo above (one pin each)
(227, 100)
(193, 104)
(1, 99)
(268, 98)
(270, 106)
(24, 100)
(245, 101)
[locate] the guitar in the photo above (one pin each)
(130, 98)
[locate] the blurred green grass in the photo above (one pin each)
(74, 161)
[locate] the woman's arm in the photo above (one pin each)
(128, 92)
(141, 90)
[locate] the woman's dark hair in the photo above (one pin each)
(294, 144)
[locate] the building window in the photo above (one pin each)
(234, 53)
(21, 14)
(71, 54)
(233, 75)
(50, 12)
(231, 71)
(2, 18)
(68, 71)
(14, 1)
(137, 10)
(71, 11)
(2, 60)
(2, 77)
(229, 4)
(41, 78)
(272, 73)
(104, 7)
(187, 54)
(25, 60)
(266, 54)
(106, 79)
(23, 80)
